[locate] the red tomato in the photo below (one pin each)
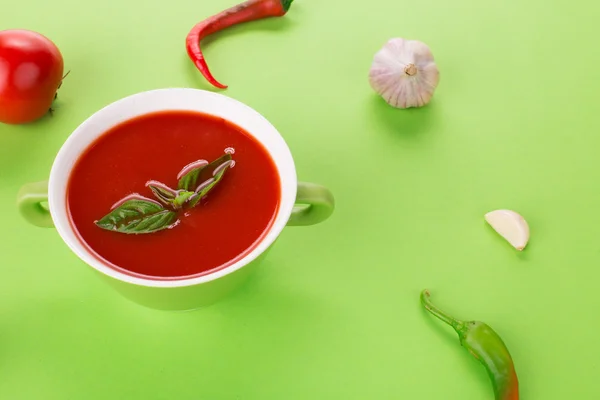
(31, 69)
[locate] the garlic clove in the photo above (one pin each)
(511, 226)
(404, 73)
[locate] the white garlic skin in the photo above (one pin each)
(404, 73)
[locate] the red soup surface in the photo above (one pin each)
(224, 227)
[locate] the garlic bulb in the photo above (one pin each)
(404, 73)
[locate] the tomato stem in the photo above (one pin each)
(61, 82)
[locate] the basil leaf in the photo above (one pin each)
(162, 192)
(137, 216)
(188, 181)
(204, 188)
(181, 198)
(201, 173)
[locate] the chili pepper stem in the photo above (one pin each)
(458, 325)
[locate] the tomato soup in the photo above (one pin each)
(228, 222)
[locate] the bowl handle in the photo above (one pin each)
(32, 201)
(314, 204)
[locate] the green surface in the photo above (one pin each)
(334, 313)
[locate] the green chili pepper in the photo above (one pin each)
(486, 346)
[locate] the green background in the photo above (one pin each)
(334, 312)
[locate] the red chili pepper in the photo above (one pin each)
(244, 12)
(487, 347)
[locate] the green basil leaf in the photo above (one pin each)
(211, 182)
(162, 192)
(181, 198)
(189, 179)
(137, 215)
(200, 173)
